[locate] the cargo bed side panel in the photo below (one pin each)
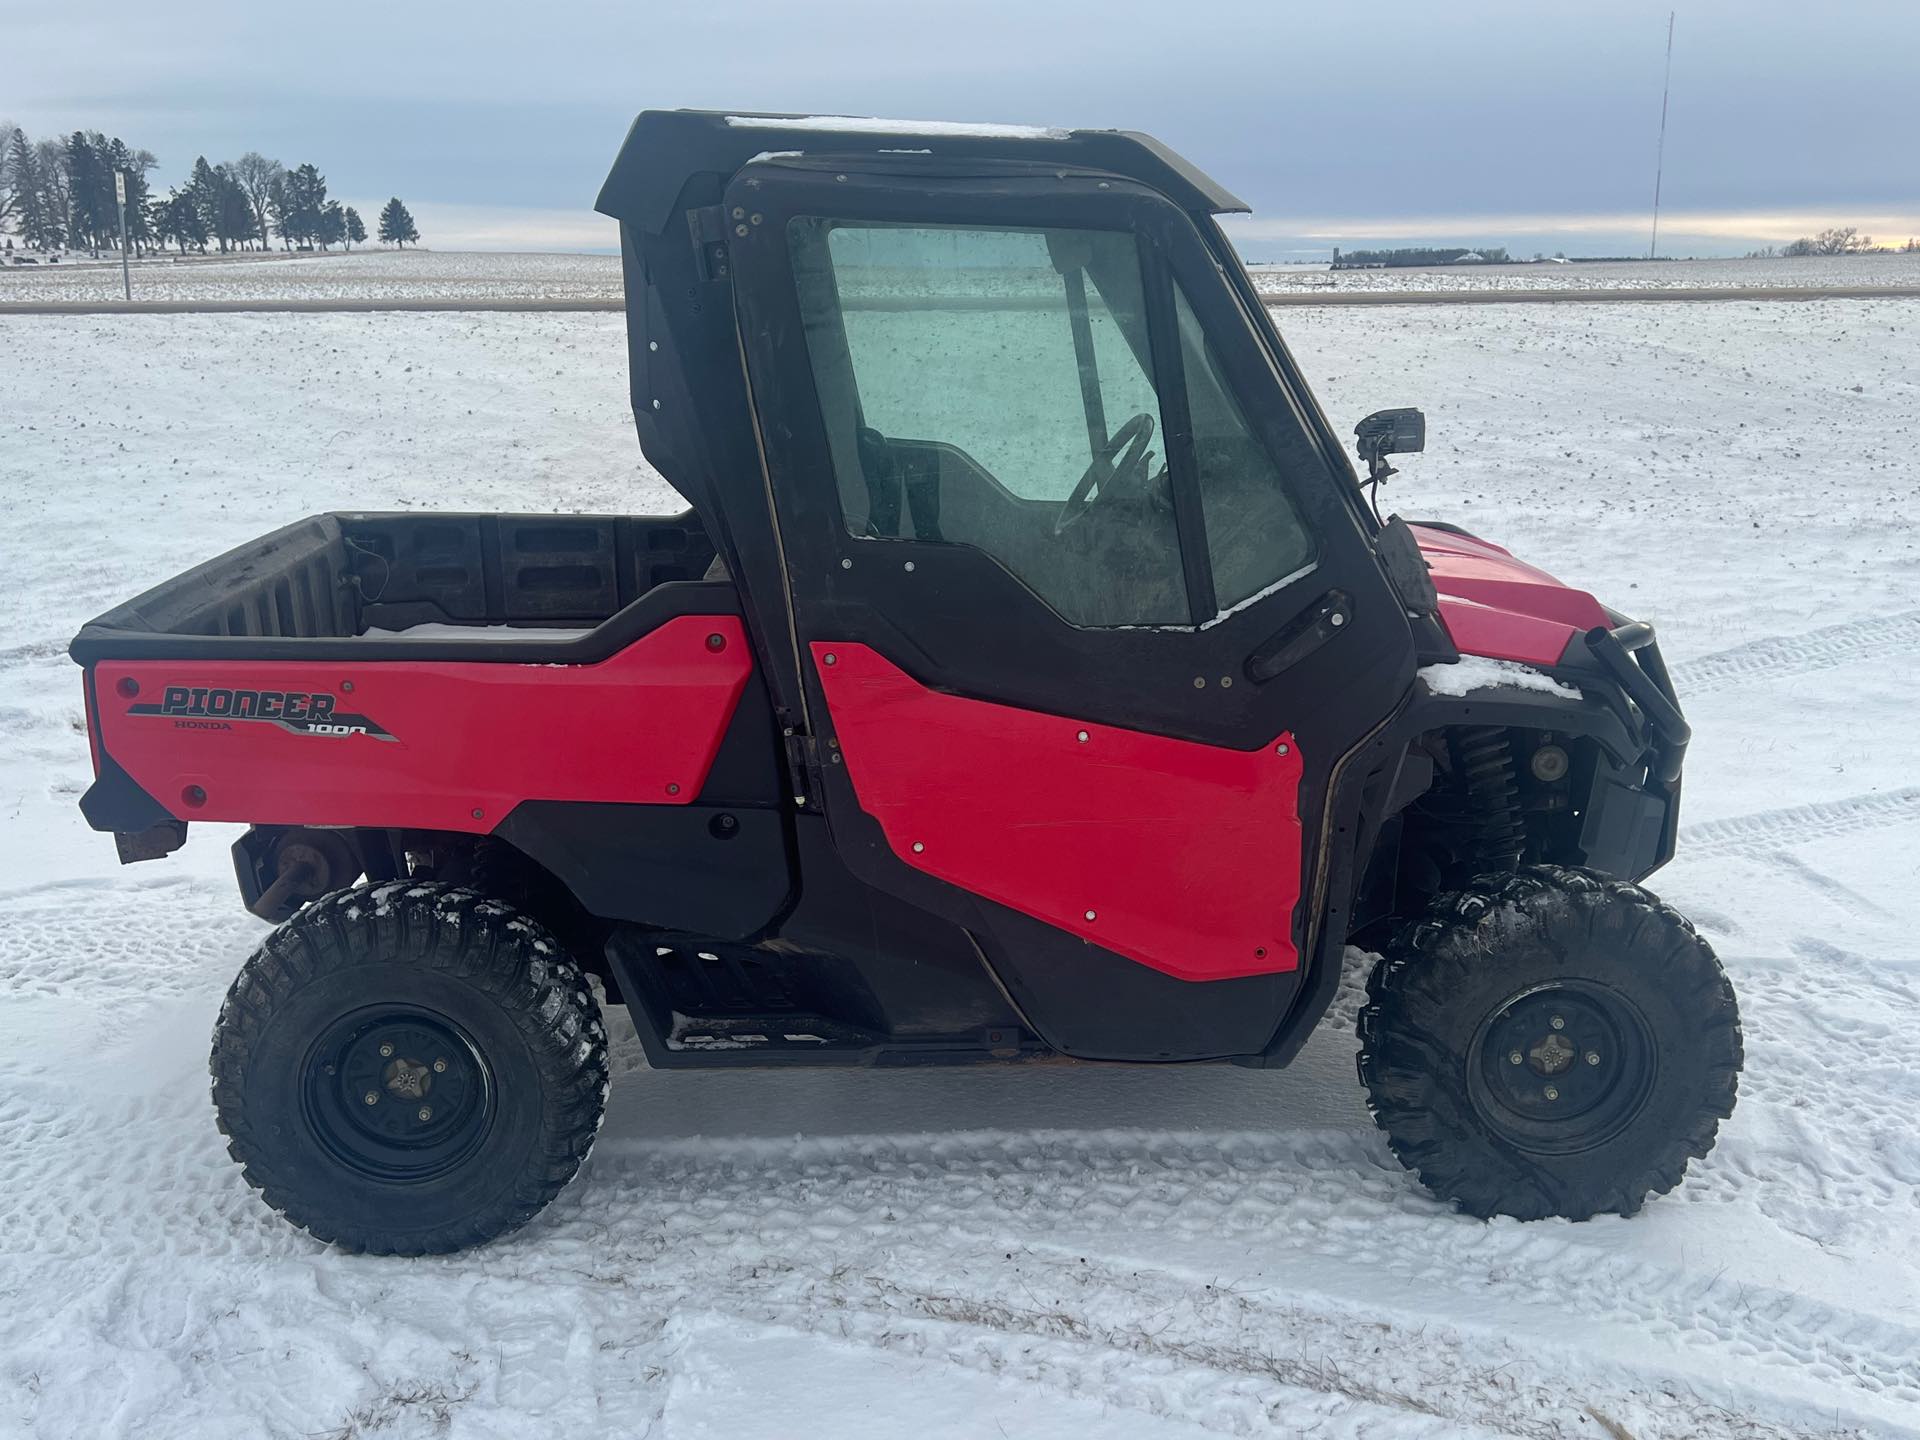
(439, 745)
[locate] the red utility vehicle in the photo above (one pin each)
(1028, 678)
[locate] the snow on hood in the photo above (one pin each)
(1476, 672)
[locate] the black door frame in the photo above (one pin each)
(956, 620)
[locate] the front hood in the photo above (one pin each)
(1500, 607)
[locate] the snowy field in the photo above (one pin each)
(361, 275)
(455, 275)
(1808, 273)
(1155, 1255)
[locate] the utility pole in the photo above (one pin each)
(120, 194)
(1660, 156)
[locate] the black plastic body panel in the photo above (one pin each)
(709, 870)
(666, 148)
(1095, 1005)
(309, 590)
(116, 802)
(885, 982)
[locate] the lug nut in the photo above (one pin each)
(426, 1112)
(385, 1051)
(1552, 1093)
(372, 1097)
(1513, 1057)
(1557, 1023)
(1593, 1057)
(439, 1067)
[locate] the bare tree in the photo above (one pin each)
(8, 201)
(1841, 240)
(50, 157)
(1835, 240)
(257, 177)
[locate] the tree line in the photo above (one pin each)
(1416, 255)
(1836, 240)
(59, 194)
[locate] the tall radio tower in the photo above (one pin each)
(1660, 155)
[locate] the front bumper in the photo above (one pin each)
(1632, 655)
(1632, 821)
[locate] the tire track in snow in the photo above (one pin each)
(1429, 1377)
(1787, 655)
(1767, 830)
(1335, 1204)
(924, 1224)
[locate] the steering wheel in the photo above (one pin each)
(1132, 437)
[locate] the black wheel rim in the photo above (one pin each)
(1562, 1068)
(398, 1093)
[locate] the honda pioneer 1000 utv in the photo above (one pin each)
(1029, 678)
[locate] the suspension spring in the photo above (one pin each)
(1484, 756)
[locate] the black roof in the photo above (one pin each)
(666, 147)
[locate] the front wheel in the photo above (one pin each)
(1551, 1042)
(409, 1069)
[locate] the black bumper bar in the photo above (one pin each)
(1633, 658)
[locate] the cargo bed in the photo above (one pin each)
(559, 588)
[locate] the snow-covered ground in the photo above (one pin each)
(456, 275)
(360, 275)
(1807, 273)
(1052, 1251)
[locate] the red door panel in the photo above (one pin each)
(1184, 857)
(439, 745)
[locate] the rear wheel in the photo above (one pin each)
(409, 1068)
(1550, 1042)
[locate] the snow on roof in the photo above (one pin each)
(861, 125)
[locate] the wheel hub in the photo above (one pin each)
(408, 1079)
(1553, 1054)
(398, 1094)
(1562, 1067)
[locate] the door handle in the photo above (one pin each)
(1301, 636)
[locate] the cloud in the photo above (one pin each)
(1720, 231)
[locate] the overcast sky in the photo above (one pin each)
(1530, 125)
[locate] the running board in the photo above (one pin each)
(697, 1003)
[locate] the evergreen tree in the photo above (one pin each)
(133, 164)
(356, 231)
(396, 225)
(101, 202)
(159, 220)
(305, 204)
(188, 223)
(333, 224)
(280, 210)
(34, 217)
(85, 222)
(236, 214)
(203, 193)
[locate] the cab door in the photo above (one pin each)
(1084, 618)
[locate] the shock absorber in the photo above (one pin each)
(1484, 756)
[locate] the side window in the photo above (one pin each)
(1256, 539)
(991, 387)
